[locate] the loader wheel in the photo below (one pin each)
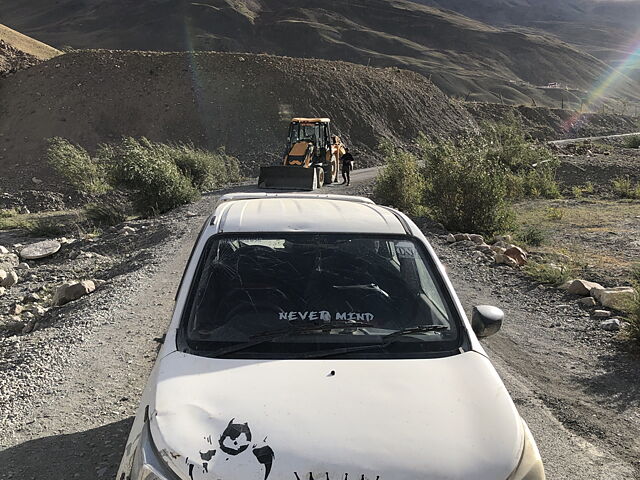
(328, 175)
(320, 177)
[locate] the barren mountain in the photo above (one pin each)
(462, 56)
(606, 29)
(240, 101)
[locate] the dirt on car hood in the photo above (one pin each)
(447, 418)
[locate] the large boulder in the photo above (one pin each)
(581, 287)
(618, 297)
(38, 250)
(68, 292)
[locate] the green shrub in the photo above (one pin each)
(158, 176)
(76, 166)
(531, 167)
(531, 235)
(400, 183)
(555, 213)
(548, 273)
(623, 187)
(107, 214)
(467, 185)
(579, 191)
(632, 142)
(149, 173)
(206, 170)
(466, 188)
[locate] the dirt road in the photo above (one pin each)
(569, 141)
(579, 396)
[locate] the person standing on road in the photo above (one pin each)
(347, 166)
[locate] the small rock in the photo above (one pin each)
(8, 279)
(16, 309)
(611, 325)
(581, 287)
(459, 237)
(67, 292)
(38, 250)
(617, 298)
(36, 180)
(31, 298)
(477, 239)
(23, 266)
(587, 302)
(503, 238)
(477, 255)
(2, 290)
(126, 230)
(498, 249)
(451, 238)
(28, 328)
(601, 313)
(3, 250)
(484, 248)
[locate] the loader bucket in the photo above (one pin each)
(287, 178)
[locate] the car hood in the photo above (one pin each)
(445, 418)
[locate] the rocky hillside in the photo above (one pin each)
(242, 102)
(18, 51)
(605, 29)
(463, 56)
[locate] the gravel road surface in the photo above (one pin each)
(70, 391)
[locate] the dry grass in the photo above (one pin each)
(43, 224)
(598, 235)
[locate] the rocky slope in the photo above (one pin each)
(242, 102)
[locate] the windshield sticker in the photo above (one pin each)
(405, 250)
(326, 316)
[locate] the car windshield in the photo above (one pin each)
(297, 295)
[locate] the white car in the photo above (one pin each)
(317, 337)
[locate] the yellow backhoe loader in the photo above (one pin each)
(311, 159)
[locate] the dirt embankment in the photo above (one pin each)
(240, 101)
(546, 123)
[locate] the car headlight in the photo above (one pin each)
(530, 466)
(147, 462)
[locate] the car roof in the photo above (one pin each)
(305, 213)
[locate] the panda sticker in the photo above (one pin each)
(234, 442)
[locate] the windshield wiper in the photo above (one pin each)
(270, 336)
(391, 337)
(384, 342)
(370, 286)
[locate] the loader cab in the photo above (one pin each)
(315, 131)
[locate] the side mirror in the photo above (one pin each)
(486, 320)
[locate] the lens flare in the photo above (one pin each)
(607, 82)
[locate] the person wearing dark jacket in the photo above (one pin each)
(347, 166)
